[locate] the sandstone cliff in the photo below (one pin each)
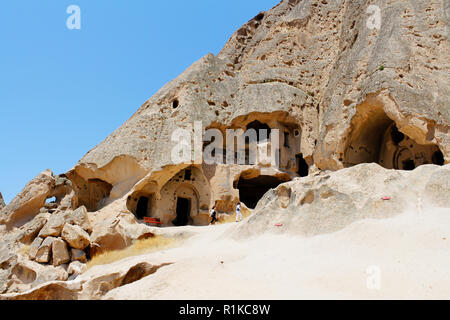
(358, 107)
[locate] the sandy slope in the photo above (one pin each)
(412, 251)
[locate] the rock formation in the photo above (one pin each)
(2, 202)
(327, 202)
(342, 94)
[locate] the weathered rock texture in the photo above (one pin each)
(32, 199)
(2, 202)
(342, 94)
(329, 201)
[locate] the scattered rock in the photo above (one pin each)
(32, 228)
(54, 226)
(34, 247)
(78, 255)
(44, 252)
(76, 268)
(108, 237)
(60, 253)
(75, 236)
(80, 218)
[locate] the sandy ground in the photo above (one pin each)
(406, 257)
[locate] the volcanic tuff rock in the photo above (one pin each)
(329, 201)
(313, 69)
(368, 102)
(2, 202)
(318, 61)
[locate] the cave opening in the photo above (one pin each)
(259, 126)
(438, 158)
(183, 212)
(142, 208)
(409, 165)
(140, 204)
(377, 139)
(252, 190)
(302, 166)
(94, 194)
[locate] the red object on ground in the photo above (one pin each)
(278, 225)
(386, 198)
(152, 221)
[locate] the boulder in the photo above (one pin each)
(80, 218)
(34, 247)
(27, 204)
(53, 227)
(78, 255)
(76, 268)
(108, 237)
(49, 273)
(60, 254)
(24, 272)
(75, 236)
(30, 230)
(43, 254)
(135, 232)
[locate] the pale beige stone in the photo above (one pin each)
(78, 255)
(75, 236)
(44, 252)
(60, 254)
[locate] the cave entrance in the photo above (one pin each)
(94, 193)
(140, 204)
(377, 139)
(142, 208)
(302, 166)
(260, 126)
(252, 190)
(183, 212)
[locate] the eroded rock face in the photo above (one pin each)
(2, 202)
(341, 93)
(92, 288)
(328, 202)
(32, 199)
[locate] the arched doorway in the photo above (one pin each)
(186, 205)
(183, 212)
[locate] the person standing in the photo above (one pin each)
(238, 212)
(213, 215)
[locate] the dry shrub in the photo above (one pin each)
(140, 247)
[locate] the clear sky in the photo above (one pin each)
(63, 91)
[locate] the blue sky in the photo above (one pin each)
(63, 91)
